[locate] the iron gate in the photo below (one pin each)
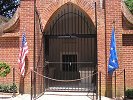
(70, 46)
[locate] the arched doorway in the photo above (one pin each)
(70, 46)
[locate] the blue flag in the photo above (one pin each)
(113, 59)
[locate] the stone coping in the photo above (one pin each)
(16, 34)
(127, 13)
(10, 25)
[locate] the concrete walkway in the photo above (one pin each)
(69, 96)
(56, 96)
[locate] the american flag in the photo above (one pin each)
(22, 54)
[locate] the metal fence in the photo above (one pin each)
(111, 87)
(70, 84)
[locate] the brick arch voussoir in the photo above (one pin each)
(53, 7)
(88, 8)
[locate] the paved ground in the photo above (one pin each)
(54, 96)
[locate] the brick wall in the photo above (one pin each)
(114, 13)
(9, 45)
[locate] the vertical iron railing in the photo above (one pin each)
(115, 84)
(124, 84)
(100, 85)
(31, 86)
(96, 52)
(34, 53)
(13, 82)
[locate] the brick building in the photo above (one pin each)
(61, 20)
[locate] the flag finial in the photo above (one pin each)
(114, 23)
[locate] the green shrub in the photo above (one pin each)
(129, 93)
(13, 87)
(8, 88)
(1, 88)
(5, 88)
(129, 4)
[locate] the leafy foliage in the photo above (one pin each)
(129, 4)
(8, 88)
(8, 7)
(4, 69)
(129, 93)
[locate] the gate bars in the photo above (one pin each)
(70, 49)
(97, 77)
(83, 36)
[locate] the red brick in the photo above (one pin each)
(9, 46)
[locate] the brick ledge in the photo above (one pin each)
(9, 35)
(11, 24)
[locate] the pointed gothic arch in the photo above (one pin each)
(70, 47)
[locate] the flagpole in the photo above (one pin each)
(34, 50)
(96, 50)
(106, 61)
(104, 7)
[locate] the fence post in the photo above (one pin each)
(100, 85)
(124, 85)
(97, 86)
(31, 86)
(13, 82)
(115, 84)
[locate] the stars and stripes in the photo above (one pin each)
(113, 59)
(22, 54)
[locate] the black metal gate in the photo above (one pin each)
(70, 51)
